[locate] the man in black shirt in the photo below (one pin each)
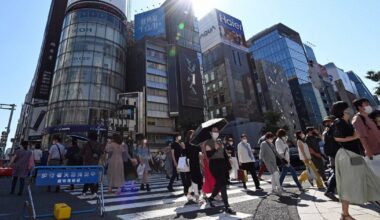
(313, 138)
(177, 151)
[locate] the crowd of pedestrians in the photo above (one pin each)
(349, 147)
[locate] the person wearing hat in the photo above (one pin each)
(375, 116)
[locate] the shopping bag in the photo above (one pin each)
(183, 165)
(242, 175)
(6, 171)
(310, 173)
(140, 170)
(374, 164)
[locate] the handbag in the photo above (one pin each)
(242, 175)
(140, 170)
(356, 160)
(183, 165)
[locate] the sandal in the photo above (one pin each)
(346, 217)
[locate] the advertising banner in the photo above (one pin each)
(37, 123)
(231, 29)
(150, 23)
(190, 77)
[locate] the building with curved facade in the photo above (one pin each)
(91, 67)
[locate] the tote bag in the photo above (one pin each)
(183, 165)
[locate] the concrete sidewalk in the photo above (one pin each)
(314, 205)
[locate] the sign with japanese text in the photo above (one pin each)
(50, 176)
(150, 23)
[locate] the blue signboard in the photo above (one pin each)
(150, 23)
(231, 29)
(50, 176)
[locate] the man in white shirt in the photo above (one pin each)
(247, 160)
(56, 155)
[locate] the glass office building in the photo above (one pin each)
(90, 68)
(361, 88)
(283, 46)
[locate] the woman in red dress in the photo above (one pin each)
(209, 182)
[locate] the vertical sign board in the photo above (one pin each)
(231, 30)
(150, 23)
(190, 77)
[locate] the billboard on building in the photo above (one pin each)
(150, 23)
(217, 27)
(120, 4)
(37, 123)
(231, 29)
(190, 77)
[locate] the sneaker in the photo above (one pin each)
(302, 190)
(230, 211)
(331, 196)
(259, 189)
(170, 189)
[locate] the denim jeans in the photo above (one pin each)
(285, 170)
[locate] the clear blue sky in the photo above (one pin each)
(345, 32)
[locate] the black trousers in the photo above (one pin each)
(92, 187)
(185, 178)
(332, 183)
(14, 183)
(250, 168)
(218, 169)
(320, 166)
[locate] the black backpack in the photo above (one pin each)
(331, 146)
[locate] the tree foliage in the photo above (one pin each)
(374, 76)
(271, 120)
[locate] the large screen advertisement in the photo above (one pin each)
(231, 29)
(190, 76)
(150, 23)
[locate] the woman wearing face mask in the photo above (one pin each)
(144, 156)
(283, 150)
(305, 156)
(247, 160)
(268, 154)
(193, 152)
(356, 182)
(218, 159)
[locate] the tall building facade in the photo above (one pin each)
(275, 95)
(164, 63)
(282, 46)
(91, 67)
(32, 119)
(227, 73)
(361, 88)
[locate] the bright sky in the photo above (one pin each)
(345, 32)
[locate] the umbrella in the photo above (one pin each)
(203, 132)
(78, 137)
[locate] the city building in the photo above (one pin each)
(283, 46)
(362, 89)
(275, 94)
(90, 69)
(32, 119)
(344, 88)
(164, 64)
(227, 73)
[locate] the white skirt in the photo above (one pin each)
(356, 184)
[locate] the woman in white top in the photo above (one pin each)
(37, 154)
(304, 154)
(283, 149)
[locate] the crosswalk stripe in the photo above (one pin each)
(157, 202)
(151, 196)
(179, 210)
(224, 216)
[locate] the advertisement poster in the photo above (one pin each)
(231, 29)
(190, 76)
(150, 23)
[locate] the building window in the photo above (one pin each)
(212, 76)
(157, 79)
(157, 66)
(210, 103)
(221, 98)
(233, 54)
(224, 111)
(211, 114)
(206, 78)
(216, 100)
(220, 84)
(214, 87)
(217, 111)
(238, 55)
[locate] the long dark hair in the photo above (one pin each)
(298, 136)
(188, 135)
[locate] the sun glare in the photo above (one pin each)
(202, 7)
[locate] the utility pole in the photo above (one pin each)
(4, 134)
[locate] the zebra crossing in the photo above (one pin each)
(159, 203)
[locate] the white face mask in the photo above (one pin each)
(145, 141)
(285, 138)
(179, 138)
(245, 141)
(270, 140)
(230, 143)
(368, 109)
(215, 135)
(302, 136)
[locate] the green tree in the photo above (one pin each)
(374, 76)
(271, 120)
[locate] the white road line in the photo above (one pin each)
(151, 196)
(178, 210)
(224, 216)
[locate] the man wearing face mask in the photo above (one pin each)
(247, 160)
(366, 128)
(177, 151)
